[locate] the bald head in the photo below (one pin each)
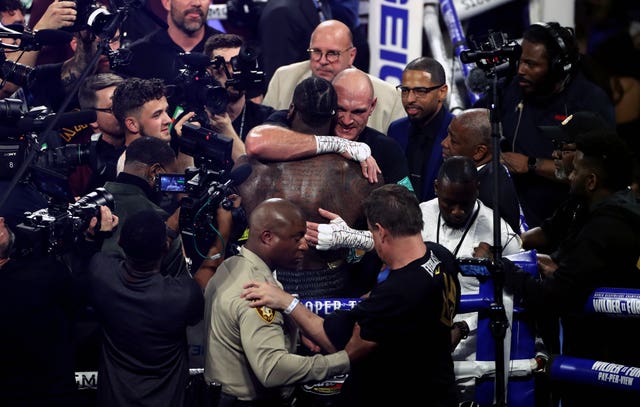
(276, 233)
(356, 102)
(353, 81)
(273, 214)
(469, 135)
(476, 125)
(335, 29)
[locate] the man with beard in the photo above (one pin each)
(242, 114)
(599, 249)
(547, 89)
(158, 55)
(424, 92)
(140, 105)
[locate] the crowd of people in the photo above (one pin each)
(317, 180)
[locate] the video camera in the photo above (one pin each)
(207, 185)
(246, 75)
(18, 137)
(195, 88)
(493, 52)
(56, 229)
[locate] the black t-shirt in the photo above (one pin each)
(158, 57)
(253, 115)
(413, 307)
(388, 154)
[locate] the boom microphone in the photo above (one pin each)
(239, 175)
(32, 123)
(236, 177)
(32, 41)
(478, 81)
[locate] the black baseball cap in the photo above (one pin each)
(577, 123)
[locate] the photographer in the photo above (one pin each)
(52, 83)
(244, 114)
(144, 316)
(133, 191)
(39, 299)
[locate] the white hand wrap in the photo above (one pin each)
(333, 144)
(337, 234)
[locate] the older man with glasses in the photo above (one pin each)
(331, 51)
(423, 92)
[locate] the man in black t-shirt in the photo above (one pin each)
(418, 299)
(158, 55)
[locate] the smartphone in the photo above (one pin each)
(171, 183)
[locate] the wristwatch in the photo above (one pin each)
(532, 164)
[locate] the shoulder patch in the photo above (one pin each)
(266, 313)
(431, 265)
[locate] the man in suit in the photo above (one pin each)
(331, 51)
(424, 92)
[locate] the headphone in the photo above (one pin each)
(561, 65)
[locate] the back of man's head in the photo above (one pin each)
(150, 150)
(133, 93)
(395, 208)
(144, 237)
(87, 93)
(315, 101)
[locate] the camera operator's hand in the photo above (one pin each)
(59, 14)
(173, 221)
(216, 253)
(222, 124)
(177, 126)
(108, 222)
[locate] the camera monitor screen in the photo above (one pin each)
(172, 183)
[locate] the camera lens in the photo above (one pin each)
(99, 196)
(10, 110)
(216, 99)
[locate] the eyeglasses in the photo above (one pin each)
(332, 56)
(103, 109)
(419, 91)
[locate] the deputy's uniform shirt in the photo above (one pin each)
(249, 351)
